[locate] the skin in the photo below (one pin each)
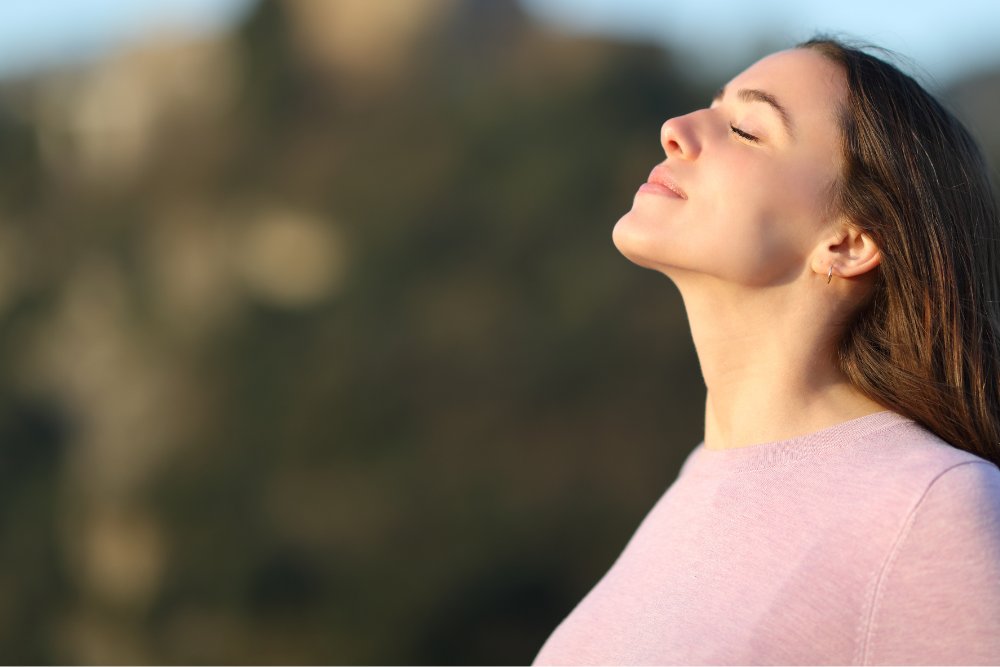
(750, 244)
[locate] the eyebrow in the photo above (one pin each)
(754, 95)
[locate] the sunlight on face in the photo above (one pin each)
(744, 192)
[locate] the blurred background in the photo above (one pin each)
(314, 346)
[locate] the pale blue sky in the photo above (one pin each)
(944, 38)
(38, 33)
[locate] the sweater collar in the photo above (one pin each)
(783, 452)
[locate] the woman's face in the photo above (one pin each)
(744, 193)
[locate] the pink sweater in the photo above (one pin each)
(869, 542)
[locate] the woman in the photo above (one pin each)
(835, 237)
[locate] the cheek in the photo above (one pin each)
(787, 225)
(747, 244)
(768, 226)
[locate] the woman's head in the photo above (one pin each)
(756, 172)
(827, 156)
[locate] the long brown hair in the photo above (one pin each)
(926, 342)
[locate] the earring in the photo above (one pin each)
(829, 275)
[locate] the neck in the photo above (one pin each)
(768, 356)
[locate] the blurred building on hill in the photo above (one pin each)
(364, 40)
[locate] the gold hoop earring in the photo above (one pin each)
(829, 275)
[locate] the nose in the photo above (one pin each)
(679, 138)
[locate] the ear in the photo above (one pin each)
(851, 252)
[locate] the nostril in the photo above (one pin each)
(668, 138)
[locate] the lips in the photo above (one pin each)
(661, 176)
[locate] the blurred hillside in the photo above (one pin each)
(315, 347)
(976, 99)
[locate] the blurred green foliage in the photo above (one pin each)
(433, 465)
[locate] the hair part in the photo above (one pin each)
(926, 341)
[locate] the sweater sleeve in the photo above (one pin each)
(937, 600)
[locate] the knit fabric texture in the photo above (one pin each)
(869, 542)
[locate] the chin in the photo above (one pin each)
(647, 251)
(635, 243)
(624, 237)
(619, 235)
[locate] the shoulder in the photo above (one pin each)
(961, 501)
(965, 483)
(905, 456)
(905, 437)
(938, 594)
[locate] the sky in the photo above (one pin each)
(945, 39)
(37, 34)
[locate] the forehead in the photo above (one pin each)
(809, 85)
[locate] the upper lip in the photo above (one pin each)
(663, 177)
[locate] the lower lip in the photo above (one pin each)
(657, 189)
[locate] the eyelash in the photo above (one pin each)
(743, 135)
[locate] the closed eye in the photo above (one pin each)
(744, 135)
